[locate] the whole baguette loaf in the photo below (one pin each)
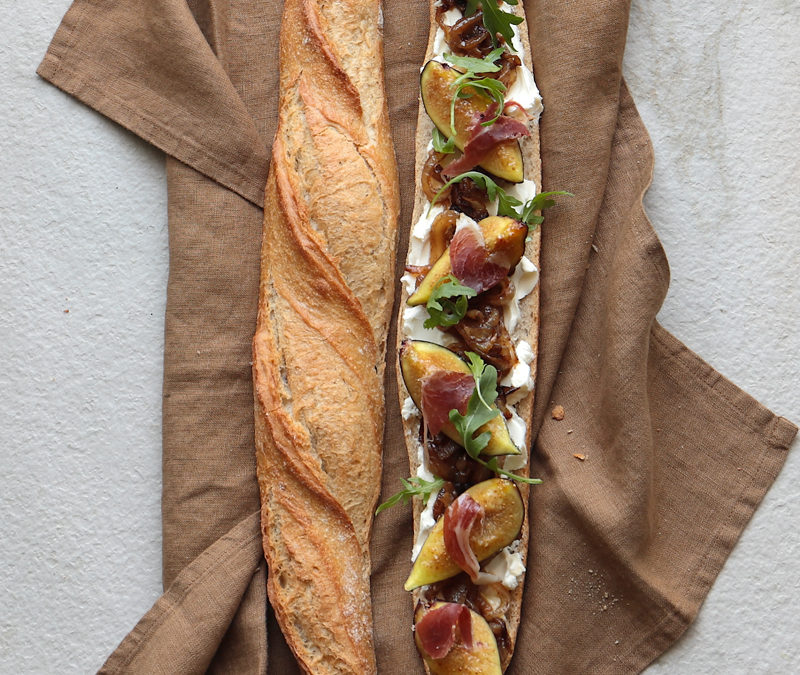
(325, 301)
(527, 327)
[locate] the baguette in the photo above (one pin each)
(325, 301)
(498, 602)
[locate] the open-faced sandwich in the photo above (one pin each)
(467, 334)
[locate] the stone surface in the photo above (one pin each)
(83, 215)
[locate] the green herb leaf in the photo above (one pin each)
(489, 88)
(479, 407)
(506, 204)
(493, 466)
(448, 302)
(495, 20)
(413, 486)
(472, 65)
(540, 202)
(442, 144)
(479, 412)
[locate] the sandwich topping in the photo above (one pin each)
(465, 361)
(438, 629)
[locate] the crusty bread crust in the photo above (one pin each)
(325, 300)
(527, 327)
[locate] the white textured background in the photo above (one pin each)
(83, 228)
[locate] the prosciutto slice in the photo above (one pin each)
(471, 261)
(459, 519)
(437, 629)
(483, 140)
(443, 391)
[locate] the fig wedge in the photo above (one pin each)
(436, 87)
(418, 359)
(504, 238)
(482, 659)
(502, 521)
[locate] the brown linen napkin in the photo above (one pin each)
(624, 545)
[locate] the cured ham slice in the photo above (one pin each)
(437, 629)
(471, 262)
(459, 519)
(484, 139)
(443, 391)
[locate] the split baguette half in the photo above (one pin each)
(527, 327)
(325, 301)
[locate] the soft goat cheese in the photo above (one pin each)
(507, 566)
(516, 430)
(414, 327)
(409, 409)
(520, 375)
(524, 278)
(426, 519)
(525, 92)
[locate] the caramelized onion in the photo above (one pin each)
(456, 589)
(467, 37)
(418, 269)
(442, 231)
(448, 460)
(484, 607)
(468, 198)
(432, 180)
(482, 330)
(508, 69)
(444, 498)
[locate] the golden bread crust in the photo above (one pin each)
(325, 300)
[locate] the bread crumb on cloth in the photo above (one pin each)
(558, 412)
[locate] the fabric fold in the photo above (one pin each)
(159, 78)
(183, 631)
(578, 67)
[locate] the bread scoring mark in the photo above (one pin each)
(327, 50)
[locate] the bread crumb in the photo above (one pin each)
(558, 412)
(569, 431)
(579, 456)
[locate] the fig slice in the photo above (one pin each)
(501, 525)
(418, 359)
(482, 659)
(436, 87)
(504, 239)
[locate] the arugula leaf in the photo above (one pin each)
(442, 309)
(487, 87)
(413, 486)
(471, 64)
(541, 202)
(442, 144)
(506, 204)
(492, 466)
(479, 412)
(495, 20)
(479, 407)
